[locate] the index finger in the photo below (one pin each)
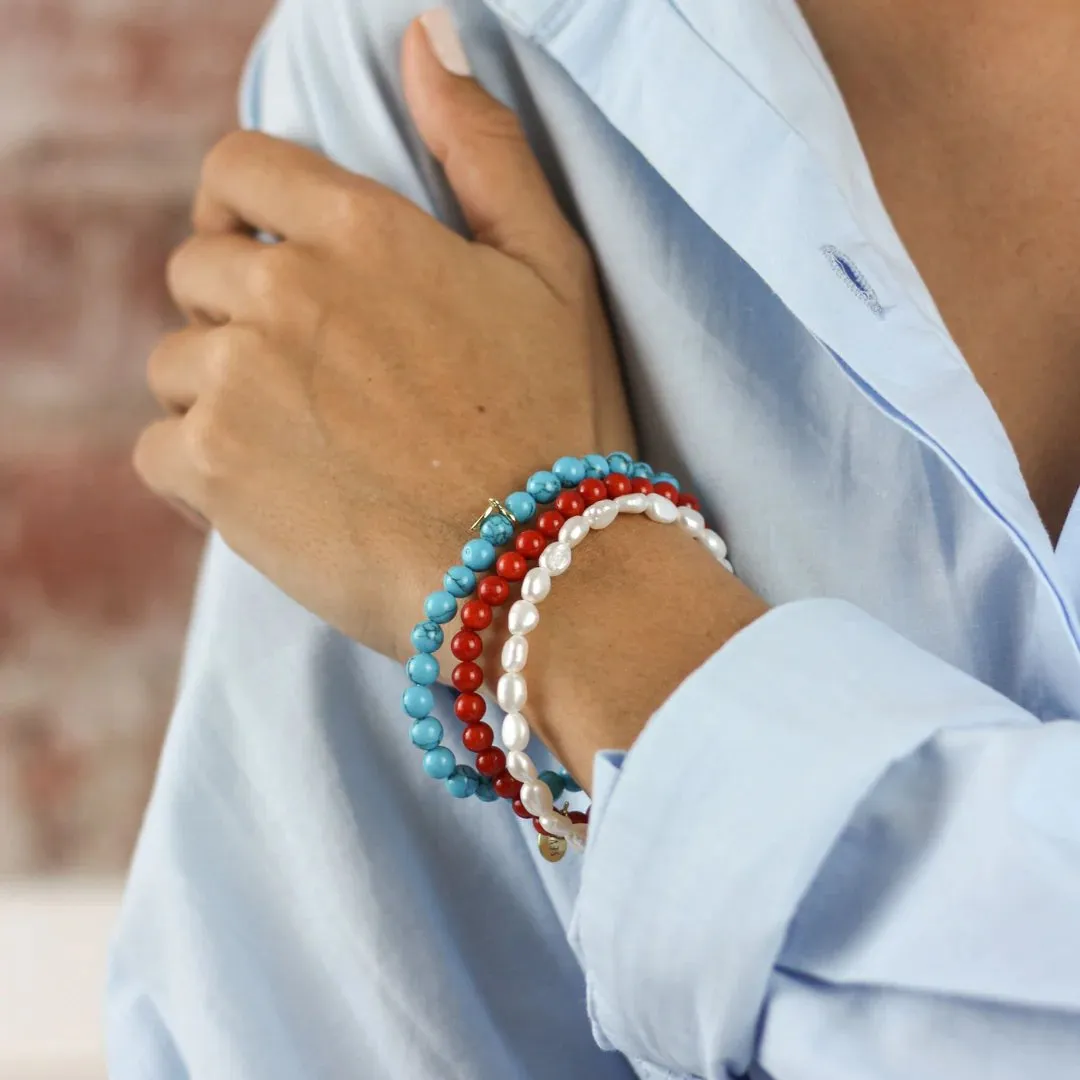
(253, 182)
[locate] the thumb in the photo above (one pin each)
(499, 185)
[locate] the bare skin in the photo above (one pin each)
(968, 113)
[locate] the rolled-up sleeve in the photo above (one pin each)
(832, 855)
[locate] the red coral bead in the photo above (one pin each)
(549, 523)
(506, 787)
(519, 809)
(592, 490)
(641, 485)
(690, 500)
(494, 590)
(477, 737)
(490, 762)
(617, 484)
(475, 614)
(530, 543)
(467, 676)
(511, 566)
(669, 491)
(466, 645)
(577, 817)
(569, 503)
(469, 708)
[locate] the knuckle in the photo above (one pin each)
(348, 210)
(220, 157)
(175, 263)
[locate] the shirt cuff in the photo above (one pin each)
(706, 835)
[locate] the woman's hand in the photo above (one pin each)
(345, 400)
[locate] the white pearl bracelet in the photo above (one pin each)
(524, 616)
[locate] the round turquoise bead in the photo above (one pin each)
(497, 530)
(417, 701)
(459, 581)
(543, 486)
(620, 462)
(478, 554)
(554, 781)
(440, 607)
(569, 783)
(439, 763)
(423, 669)
(463, 782)
(665, 478)
(642, 469)
(485, 792)
(569, 470)
(522, 505)
(596, 466)
(427, 636)
(427, 733)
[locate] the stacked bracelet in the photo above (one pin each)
(574, 486)
(524, 617)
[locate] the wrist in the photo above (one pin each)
(640, 610)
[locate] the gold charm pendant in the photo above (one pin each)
(553, 848)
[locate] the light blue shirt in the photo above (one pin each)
(848, 847)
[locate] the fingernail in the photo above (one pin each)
(438, 24)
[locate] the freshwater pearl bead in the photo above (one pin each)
(523, 617)
(536, 586)
(714, 543)
(555, 558)
(601, 514)
(635, 503)
(515, 732)
(573, 532)
(515, 653)
(690, 521)
(726, 564)
(536, 797)
(555, 824)
(578, 833)
(661, 509)
(519, 765)
(512, 691)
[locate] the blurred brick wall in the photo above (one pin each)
(108, 106)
